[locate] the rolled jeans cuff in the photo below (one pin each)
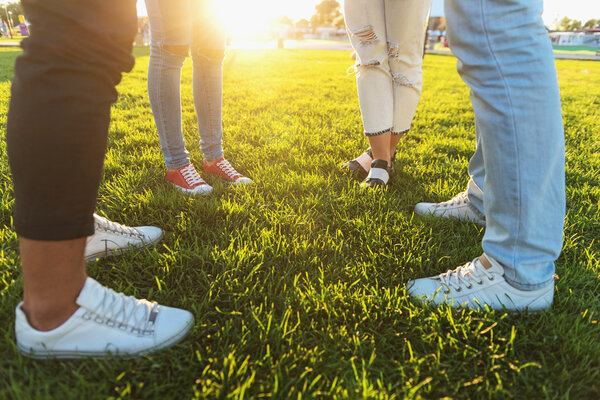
(388, 130)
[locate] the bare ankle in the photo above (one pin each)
(44, 318)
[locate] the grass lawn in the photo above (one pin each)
(585, 50)
(298, 282)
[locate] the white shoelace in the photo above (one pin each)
(114, 227)
(464, 276)
(191, 176)
(457, 200)
(124, 312)
(228, 169)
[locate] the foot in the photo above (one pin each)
(361, 165)
(106, 323)
(187, 180)
(112, 238)
(474, 286)
(223, 169)
(379, 175)
(458, 207)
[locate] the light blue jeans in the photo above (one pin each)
(183, 24)
(518, 169)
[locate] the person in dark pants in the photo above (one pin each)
(57, 128)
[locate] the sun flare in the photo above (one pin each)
(247, 17)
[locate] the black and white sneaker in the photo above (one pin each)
(361, 165)
(379, 175)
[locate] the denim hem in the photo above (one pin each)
(379, 132)
(211, 157)
(178, 165)
(528, 286)
(400, 132)
(475, 210)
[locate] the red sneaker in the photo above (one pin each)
(187, 180)
(226, 172)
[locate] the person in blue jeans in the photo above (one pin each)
(517, 186)
(176, 27)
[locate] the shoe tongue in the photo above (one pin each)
(91, 294)
(94, 293)
(364, 160)
(495, 268)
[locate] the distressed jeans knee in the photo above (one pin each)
(161, 55)
(387, 37)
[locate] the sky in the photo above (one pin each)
(257, 12)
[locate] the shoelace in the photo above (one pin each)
(457, 200)
(228, 169)
(124, 312)
(466, 275)
(117, 228)
(191, 176)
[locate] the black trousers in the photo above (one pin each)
(59, 111)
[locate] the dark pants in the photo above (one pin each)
(59, 111)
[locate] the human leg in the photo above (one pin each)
(170, 38)
(58, 119)
(367, 31)
(50, 289)
(208, 51)
(509, 66)
(170, 26)
(405, 24)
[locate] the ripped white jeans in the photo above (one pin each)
(387, 37)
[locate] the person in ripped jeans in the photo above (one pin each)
(387, 37)
(176, 26)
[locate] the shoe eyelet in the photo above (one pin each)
(459, 289)
(446, 291)
(480, 282)
(469, 287)
(491, 279)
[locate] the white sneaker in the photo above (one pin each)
(112, 238)
(458, 207)
(106, 323)
(474, 286)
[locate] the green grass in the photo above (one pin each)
(297, 283)
(586, 50)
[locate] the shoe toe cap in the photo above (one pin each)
(424, 288)
(174, 324)
(424, 208)
(152, 234)
(244, 180)
(202, 190)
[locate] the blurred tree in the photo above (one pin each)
(339, 22)
(16, 10)
(575, 25)
(568, 24)
(328, 12)
(302, 24)
(592, 24)
(564, 24)
(282, 21)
